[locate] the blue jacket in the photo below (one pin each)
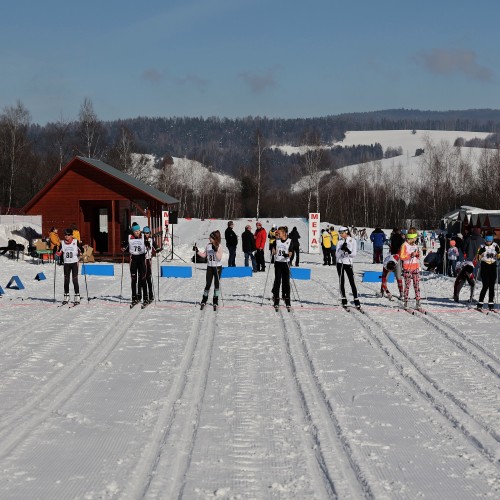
(378, 238)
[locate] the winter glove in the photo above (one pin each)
(345, 248)
(215, 248)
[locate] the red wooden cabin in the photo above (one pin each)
(100, 200)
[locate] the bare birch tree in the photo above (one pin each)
(14, 122)
(91, 130)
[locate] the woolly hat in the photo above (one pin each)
(146, 230)
(136, 227)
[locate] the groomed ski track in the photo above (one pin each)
(103, 401)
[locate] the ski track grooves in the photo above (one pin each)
(17, 426)
(483, 438)
(327, 444)
(189, 388)
(451, 333)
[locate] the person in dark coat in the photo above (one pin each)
(231, 243)
(377, 237)
(295, 247)
(248, 246)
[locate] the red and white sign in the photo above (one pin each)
(314, 222)
(166, 228)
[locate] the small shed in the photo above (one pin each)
(100, 200)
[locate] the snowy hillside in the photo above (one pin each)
(410, 165)
(190, 172)
(102, 401)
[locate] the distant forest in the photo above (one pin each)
(31, 154)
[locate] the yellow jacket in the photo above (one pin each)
(327, 239)
(76, 235)
(54, 240)
(335, 237)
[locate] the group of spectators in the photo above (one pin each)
(254, 243)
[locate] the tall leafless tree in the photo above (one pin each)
(91, 130)
(14, 123)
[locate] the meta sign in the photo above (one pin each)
(314, 221)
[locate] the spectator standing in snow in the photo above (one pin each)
(377, 237)
(453, 256)
(346, 250)
(231, 243)
(326, 246)
(248, 247)
(295, 237)
(260, 244)
(213, 253)
(335, 239)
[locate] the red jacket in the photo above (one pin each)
(260, 238)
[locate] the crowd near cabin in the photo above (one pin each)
(100, 200)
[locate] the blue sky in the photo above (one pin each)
(237, 58)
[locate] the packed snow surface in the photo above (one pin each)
(103, 401)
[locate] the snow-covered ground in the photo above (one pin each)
(407, 165)
(103, 401)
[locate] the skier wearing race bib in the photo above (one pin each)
(70, 251)
(391, 266)
(488, 254)
(346, 250)
(137, 249)
(213, 253)
(410, 257)
(282, 252)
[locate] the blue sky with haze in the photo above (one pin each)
(237, 58)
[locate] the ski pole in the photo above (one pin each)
(55, 270)
(152, 279)
(295, 286)
(265, 285)
(86, 287)
(220, 285)
(158, 277)
(121, 280)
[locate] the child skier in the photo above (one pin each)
(488, 254)
(391, 265)
(151, 250)
(70, 251)
(453, 255)
(213, 253)
(136, 246)
(282, 251)
(410, 255)
(465, 272)
(346, 250)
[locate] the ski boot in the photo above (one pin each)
(455, 298)
(66, 299)
(491, 307)
(76, 300)
(405, 305)
(276, 303)
(479, 307)
(215, 302)
(135, 301)
(204, 301)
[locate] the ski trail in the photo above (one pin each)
(341, 474)
(186, 391)
(32, 412)
(483, 436)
